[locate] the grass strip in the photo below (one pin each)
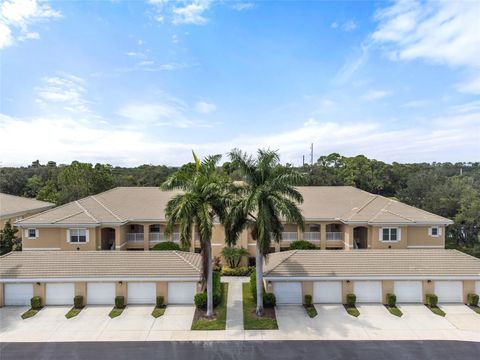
(250, 320)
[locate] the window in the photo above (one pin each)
(390, 234)
(78, 235)
(314, 228)
(434, 231)
(155, 228)
(31, 233)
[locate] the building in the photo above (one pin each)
(15, 208)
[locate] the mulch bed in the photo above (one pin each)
(267, 313)
(201, 314)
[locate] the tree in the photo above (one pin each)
(8, 239)
(203, 198)
(234, 255)
(266, 196)
(33, 186)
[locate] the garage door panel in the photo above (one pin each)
(142, 293)
(101, 293)
(368, 291)
(181, 292)
(288, 292)
(327, 292)
(18, 294)
(449, 291)
(408, 291)
(60, 294)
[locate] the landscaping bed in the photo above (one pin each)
(250, 319)
(219, 319)
(394, 310)
(311, 311)
(73, 312)
(436, 310)
(352, 310)
(29, 313)
(158, 311)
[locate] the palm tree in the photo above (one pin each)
(266, 196)
(202, 198)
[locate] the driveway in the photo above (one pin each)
(461, 317)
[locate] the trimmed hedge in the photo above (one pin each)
(269, 300)
(472, 299)
(78, 302)
(302, 245)
(308, 300)
(160, 301)
(200, 299)
(253, 285)
(391, 300)
(167, 245)
(36, 303)
(119, 302)
(239, 271)
(351, 300)
(432, 300)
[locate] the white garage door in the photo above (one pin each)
(101, 293)
(142, 293)
(449, 291)
(288, 292)
(408, 291)
(18, 294)
(181, 292)
(60, 294)
(327, 292)
(368, 291)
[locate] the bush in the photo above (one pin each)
(160, 301)
(351, 300)
(391, 300)
(253, 285)
(200, 299)
(36, 303)
(234, 255)
(302, 245)
(217, 264)
(78, 302)
(432, 300)
(269, 300)
(472, 299)
(168, 245)
(119, 302)
(308, 300)
(239, 271)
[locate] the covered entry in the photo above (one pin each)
(360, 237)
(108, 238)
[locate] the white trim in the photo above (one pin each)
(27, 233)
(121, 246)
(439, 231)
(354, 278)
(31, 249)
(87, 236)
(105, 279)
(29, 225)
(425, 246)
(399, 234)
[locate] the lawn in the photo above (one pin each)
(158, 311)
(436, 310)
(394, 310)
(220, 319)
(250, 320)
(116, 312)
(311, 311)
(29, 313)
(73, 312)
(352, 310)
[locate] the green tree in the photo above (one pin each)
(8, 239)
(203, 198)
(266, 196)
(33, 186)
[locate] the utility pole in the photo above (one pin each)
(303, 160)
(311, 154)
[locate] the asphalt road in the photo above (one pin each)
(251, 350)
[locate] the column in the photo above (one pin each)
(146, 237)
(118, 238)
(348, 237)
(300, 233)
(323, 236)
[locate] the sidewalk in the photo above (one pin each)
(234, 302)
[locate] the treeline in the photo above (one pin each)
(446, 189)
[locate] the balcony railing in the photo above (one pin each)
(176, 237)
(334, 236)
(134, 237)
(157, 237)
(311, 236)
(289, 236)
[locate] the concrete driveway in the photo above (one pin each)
(461, 317)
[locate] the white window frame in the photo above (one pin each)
(69, 237)
(430, 231)
(390, 228)
(27, 233)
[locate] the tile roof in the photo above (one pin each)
(11, 205)
(339, 203)
(358, 263)
(99, 264)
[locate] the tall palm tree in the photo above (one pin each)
(266, 197)
(202, 199)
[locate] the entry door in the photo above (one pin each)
(327, 292)
(101, 293)
(18, 294)
(449, 291)
(181, 292)
(288, 292)
(408, 291)
(142, 293)
(368, 291)
(60, 294)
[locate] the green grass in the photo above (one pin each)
(220, 320)
(157, 312)
(475, 308)
(436, 310)
(311, 311)
(352, 310)
(116, 312)
(29, 313)
(250, 320)
(73, 312)
(394, 311)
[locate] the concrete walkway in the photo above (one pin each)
(234, 302)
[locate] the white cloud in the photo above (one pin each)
(191, 13)
(16, 16)
(444, 32)
(373, 95)
(205, 107)
(241, 6)
(347, 26)
(415, 104)
(351, 66)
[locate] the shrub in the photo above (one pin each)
(167, 245)
(472, 299)
(391, 300)
(234, 255)
(78, 302)
(351, 300)
(253, 285)
(308, 300)
(432, 300)
(239, 271)
(302, 245)
(200, 299)
(160, 301)
(36, 303)
(119, 302)
(269, 300)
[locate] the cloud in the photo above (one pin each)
(351, 66)
(347, 26)
(16, 16)
(205, 107)
(415, 104)
(191, 13)
(373, 95)
(442, 32)
(241, 6)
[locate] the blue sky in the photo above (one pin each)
(134, 82)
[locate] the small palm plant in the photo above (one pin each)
(266, 197)
(202, 198)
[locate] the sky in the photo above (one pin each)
(145, 82)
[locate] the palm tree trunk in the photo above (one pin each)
(209, 281)
(259, 270)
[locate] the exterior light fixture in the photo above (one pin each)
(38, 283)
(348, 281)
(120, 282)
